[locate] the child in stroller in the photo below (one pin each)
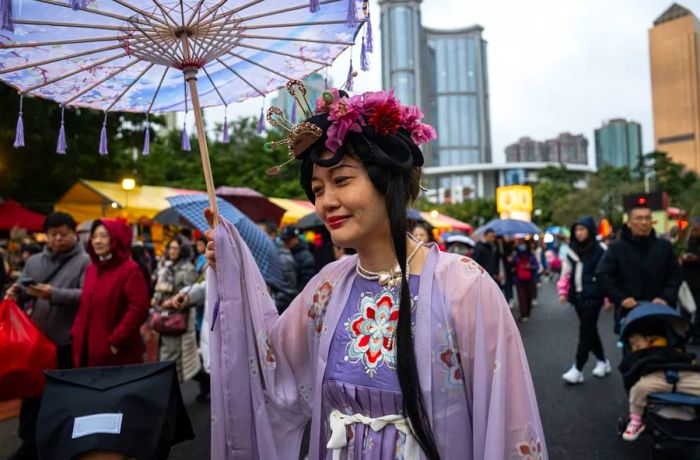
(662, 378)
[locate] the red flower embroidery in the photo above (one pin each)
(319, 302)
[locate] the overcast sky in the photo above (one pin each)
(554, 65)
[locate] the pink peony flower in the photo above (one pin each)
(423, 133)
(412, 116)
(345, 117)
(321, 105)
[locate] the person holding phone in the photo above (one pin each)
(50, 285)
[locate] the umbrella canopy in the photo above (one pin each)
(509, 227)
(309, 221)
(171, 216)
(414, 214)
(132, 55)
(253, 204)
(12, 214)
(147, 55)
(293, 209)
(191, 207)
(558, 230)
(444, 222)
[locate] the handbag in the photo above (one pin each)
(686, 299)
(169, 321)
(25, 353)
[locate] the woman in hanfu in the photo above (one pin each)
(426, 365)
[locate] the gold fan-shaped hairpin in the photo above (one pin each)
(300, 136)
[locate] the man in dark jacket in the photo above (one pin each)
(486, 254)
(306, 265)
(288, 291)
(639, 267)
(50, 285)
(691, 273)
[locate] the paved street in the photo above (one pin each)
(579, 422)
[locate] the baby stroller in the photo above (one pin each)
(672, 418)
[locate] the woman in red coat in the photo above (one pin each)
(114, 301)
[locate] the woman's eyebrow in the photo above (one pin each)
(333, 168)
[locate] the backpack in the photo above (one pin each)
(522, 269)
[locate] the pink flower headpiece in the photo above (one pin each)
(379, 110)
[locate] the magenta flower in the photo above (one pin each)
(423, 133)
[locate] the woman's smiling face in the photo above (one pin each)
(352, 209)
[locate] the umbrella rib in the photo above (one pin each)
(144, 13)
(89, 10)
(79, 25)
(158, 44)
(207, 45)
(60, 58)
(60, 42)
(286, 77)
(166, 14)
(228, 13)
(290, 24)
(126, 90)
(229, 38)
(196, 11)
(284, 10)
(316, 61)
(99, 82)
(207, 13)
(74, 72)
(295, 39)
(241, 77)
(155, 95)
(223, 101)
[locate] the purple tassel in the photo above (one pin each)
(103, 138)
(349, 80)
(261, 121)
(61, 143)
(351, 19)
(6, 19)
(364, 62)
(293, 116)
(147, 139)
(314, 5)
(227, 137)
(19, 134)
(185, 139)
(78, 4)
(368, 35)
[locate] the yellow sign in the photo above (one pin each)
(514, 198)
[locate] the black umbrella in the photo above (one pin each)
(171, 216)
(309, 221)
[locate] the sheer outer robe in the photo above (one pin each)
(267, 372)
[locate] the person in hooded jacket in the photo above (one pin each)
(639, 267)
(581, 288)
(114, 301)
(176, 271)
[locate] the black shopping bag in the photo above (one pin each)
(134, 410)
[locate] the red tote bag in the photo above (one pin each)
(25, 353)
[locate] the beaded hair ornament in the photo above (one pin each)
(379, 110)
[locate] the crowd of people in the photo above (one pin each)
(108, 300)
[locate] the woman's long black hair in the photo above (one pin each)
(393, 165)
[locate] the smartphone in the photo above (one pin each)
(27, 281)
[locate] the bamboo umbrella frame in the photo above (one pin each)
(172, 37)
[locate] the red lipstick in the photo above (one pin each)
(336, 222)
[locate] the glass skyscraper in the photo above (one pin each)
(445, 73)
(618, 143)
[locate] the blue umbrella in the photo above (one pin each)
(509, 227)
(191, 207)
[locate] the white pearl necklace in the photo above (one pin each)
(389, 277)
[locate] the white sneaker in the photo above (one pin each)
(573, 376)
(602, 368)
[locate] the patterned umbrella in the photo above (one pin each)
(148, 55)
(191, 208)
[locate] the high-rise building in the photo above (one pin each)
(618, 143)
(566, 148)
(674, 50)
(315, 86)
(445, 73)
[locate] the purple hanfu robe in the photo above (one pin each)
(271, 374)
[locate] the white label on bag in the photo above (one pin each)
(97, 423)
